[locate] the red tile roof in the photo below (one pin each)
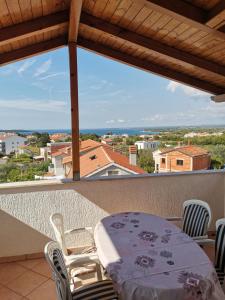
(188, 150)
(64, 147)
(101, 157)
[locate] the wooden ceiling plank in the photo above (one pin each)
(185, 12)
(32, 50)
(26, 10)
(151, 67)
(120, 11)
(75, 12)
(216, 16)
(28, 28)
(6, 19)
(151, 44)
(181, 10)
(110, 9)
(37, 9)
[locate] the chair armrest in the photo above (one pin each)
(173, 219)
(205, 241)
(79, 230)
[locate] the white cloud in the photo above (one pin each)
(43, 68)
(110, 121)
(189, 91)
(98, 85)
(35, 105)
(53, 75)
(26, 65)
(116, 121)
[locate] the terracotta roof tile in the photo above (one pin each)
(101, 157)
(188, 150)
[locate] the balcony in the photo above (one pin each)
(25, 211)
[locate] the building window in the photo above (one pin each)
(113, 172)
(163, 160)
(180, 162)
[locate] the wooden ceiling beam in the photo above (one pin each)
(32, 50)
(179, 9)
(177, 55)
(75, 12)
(149, 66)
(187, 13)
(218, 98)
(216, 16)
(28, 28)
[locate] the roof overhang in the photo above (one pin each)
(180, 40)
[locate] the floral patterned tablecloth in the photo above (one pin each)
(150, 258)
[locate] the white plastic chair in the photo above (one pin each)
(196, 220)
(87, 257)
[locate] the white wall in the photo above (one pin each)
(58, 166)
(13, 142)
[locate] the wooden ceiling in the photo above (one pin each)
(183, 40)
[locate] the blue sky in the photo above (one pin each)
(35, 94)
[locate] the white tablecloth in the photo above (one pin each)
(150, 258)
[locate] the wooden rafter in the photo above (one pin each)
(75, 12)
(179, 9)
(216, 16)
(31, 50)
(150, 66)
(28, 28)
(179, 56)
(186, 13)
(218, 98)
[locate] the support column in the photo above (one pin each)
(74, 110)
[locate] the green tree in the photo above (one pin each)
(90, 136)
(146, 161)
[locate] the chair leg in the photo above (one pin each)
(99, 271)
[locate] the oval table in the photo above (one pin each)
(150, 258)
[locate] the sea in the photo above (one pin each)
(98, 131)
(119, 131)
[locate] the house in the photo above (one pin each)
(181, 159)
(143, 145)
(61, 150)
(59, 137)
(10, 142)
(103, 161)
(107, 141)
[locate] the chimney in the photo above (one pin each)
(133, 155)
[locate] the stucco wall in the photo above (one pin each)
(84, 203)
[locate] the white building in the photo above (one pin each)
(157, 156)
(143, 145)
(10, 143)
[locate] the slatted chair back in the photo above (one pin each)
(55, 259)
(196, 218)
(57, 223)
(220, 250)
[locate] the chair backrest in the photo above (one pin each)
(55, 259)
(220, 249)
(56, 221)
(196, 218)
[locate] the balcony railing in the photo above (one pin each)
(25, 209)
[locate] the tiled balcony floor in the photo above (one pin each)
(31, 279)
